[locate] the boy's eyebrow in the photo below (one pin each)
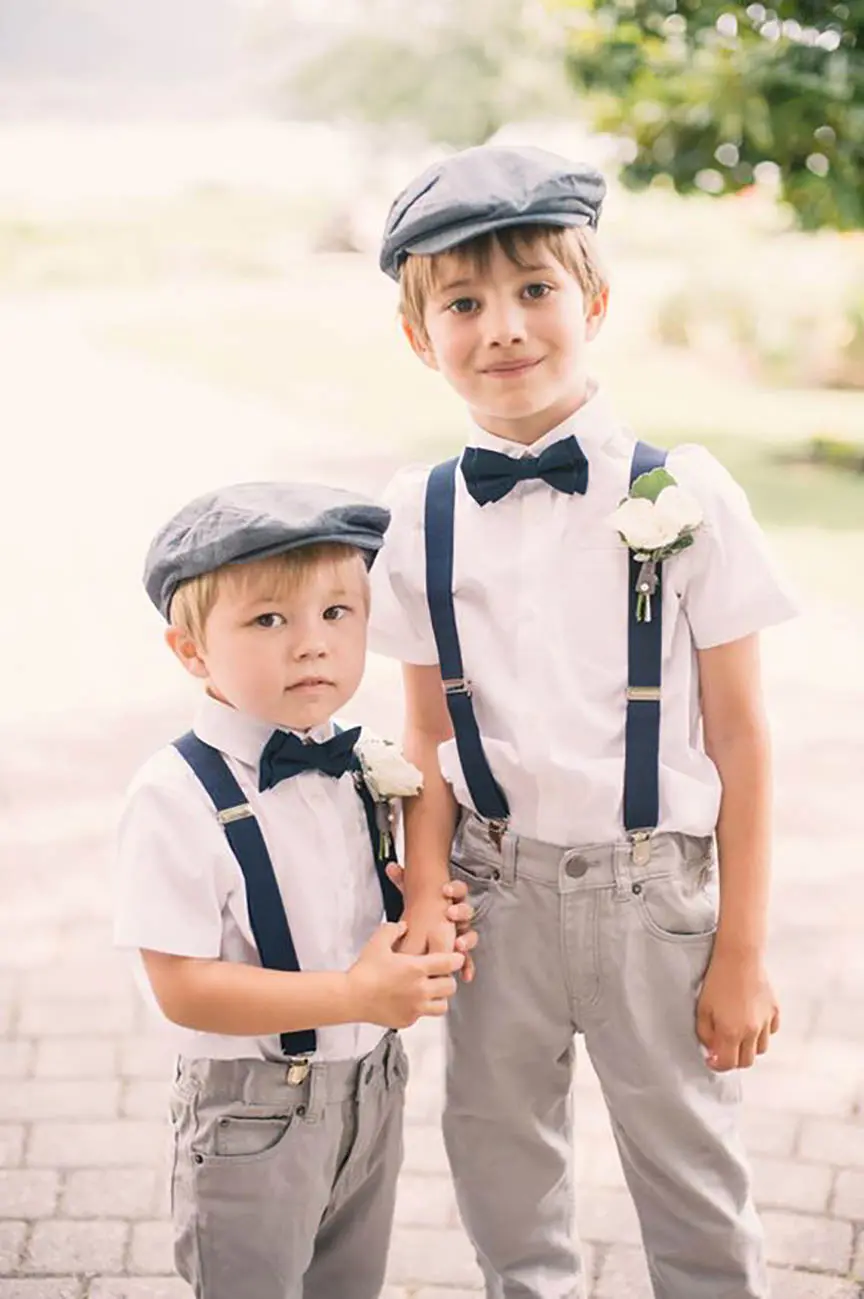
(466, 282)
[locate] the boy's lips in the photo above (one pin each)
(310, 683)
(505, 368)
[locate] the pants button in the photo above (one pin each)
(576, 867)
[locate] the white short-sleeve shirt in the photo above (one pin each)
(541, 599)
(180, 889)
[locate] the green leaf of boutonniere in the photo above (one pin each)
(650, 485)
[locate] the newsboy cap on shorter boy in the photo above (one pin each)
(248, 521)
(488, 188)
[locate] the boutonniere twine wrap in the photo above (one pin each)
(655, 520)
(388, 775)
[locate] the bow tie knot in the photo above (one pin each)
(489, 475)
(286, 755)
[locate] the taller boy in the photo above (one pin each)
(582, 752)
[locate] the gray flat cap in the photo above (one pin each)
(485, 189)
(248, 521)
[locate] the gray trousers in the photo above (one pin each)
(592, 941)
(284, 1191)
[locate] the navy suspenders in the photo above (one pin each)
(644, 670)
(486, 794)
(266, 912)
(642, 726)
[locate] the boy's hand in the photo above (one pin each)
(394, 990)
(458, 912)
(737, 1011)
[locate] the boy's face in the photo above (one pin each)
(512, 342)
(291, 657)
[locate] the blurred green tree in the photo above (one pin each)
(451, 71)
(714, 94)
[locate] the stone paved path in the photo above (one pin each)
(82, 1074)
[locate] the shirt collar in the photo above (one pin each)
(239, 735)
(593, 424)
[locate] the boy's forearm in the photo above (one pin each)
(430, 822)
(246, 1001)
(743, 759)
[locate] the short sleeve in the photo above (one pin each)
(727, 579)
(400, 626)
(171, 875)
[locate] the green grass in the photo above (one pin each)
(324, 346)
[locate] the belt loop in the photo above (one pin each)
(315, 1088)
(622, 857)
(509, 853)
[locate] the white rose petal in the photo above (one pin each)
(640, 525)
(680, 509)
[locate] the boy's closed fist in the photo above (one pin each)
(394, 989)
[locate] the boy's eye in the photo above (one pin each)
(270, 620)
(535, 291)
(335, 611)
(463, 306)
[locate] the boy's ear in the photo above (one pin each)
(419, 345)
(596, 313)
(185, 649)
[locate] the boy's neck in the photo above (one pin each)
(531, 428)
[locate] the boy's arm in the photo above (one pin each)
(382, 987)
(737, 1011)
(430, 818)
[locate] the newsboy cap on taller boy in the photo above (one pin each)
(488, 188)
(248, 521)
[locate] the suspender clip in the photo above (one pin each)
(640, 847)
(458, 686)
(298, 1070)
(238, 813)
(497, 829)
(643, 693)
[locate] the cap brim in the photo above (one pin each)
(368, 543)
(452, 236)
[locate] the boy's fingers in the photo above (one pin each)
(775, 1019)
(466, 942)
(396, 875)
(460, 913)
(456, 890)
(763, 1039)
(468, 970)
(438, 963)
(747, 1052)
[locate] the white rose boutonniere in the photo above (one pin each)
(388, 775)
(655, 520)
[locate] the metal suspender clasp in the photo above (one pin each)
(640, 846)
(458, 686)
(643, 693)
(229, 814)
(297, 1070)
(497, 829)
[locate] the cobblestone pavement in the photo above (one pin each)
(83, 1075)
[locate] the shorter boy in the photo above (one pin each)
(254, 864)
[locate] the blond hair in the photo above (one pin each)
(285, 573)
(575, 247)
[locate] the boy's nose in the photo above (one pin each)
(505, 324)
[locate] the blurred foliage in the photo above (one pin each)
(714, 95)
(454, 73)
(814, 341)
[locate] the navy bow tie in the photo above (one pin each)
(489, 475)
(285, 755)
